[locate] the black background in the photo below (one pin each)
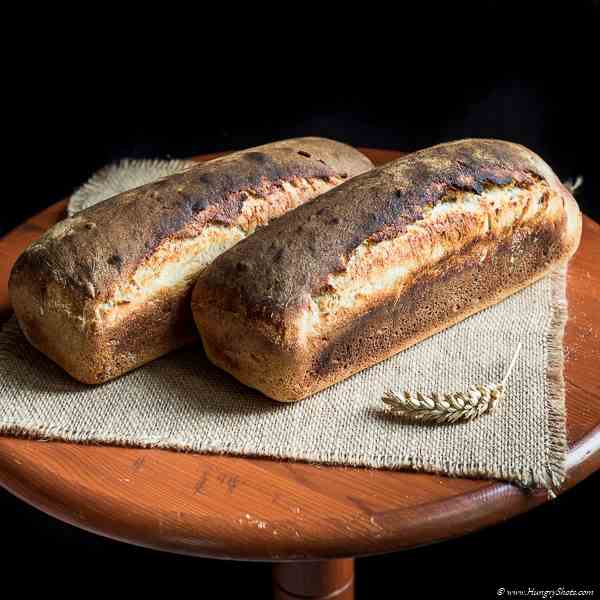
(103, 89)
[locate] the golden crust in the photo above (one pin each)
(108, 289)
(409, 269)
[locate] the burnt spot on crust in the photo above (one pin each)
(303, 153)
(116, 260)
(198, 205)
(259, 157)
(203, 179)
(380, 204)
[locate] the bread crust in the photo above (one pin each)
(347, 281)
(108, 289)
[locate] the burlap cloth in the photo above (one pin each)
(183, 402)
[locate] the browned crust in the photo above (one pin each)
(107, 242)
(438, 298)
(59, 281)
(93, 357)
(273, 273)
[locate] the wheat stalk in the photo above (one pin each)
(449, 408)
(573, 186)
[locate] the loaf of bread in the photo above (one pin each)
(109, 289)
(382, 262)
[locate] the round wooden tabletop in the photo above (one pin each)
(246, 508)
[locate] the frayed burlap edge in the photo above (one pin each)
(554, 396)
(550, 476)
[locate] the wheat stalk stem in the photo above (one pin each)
(512, 363)
(573, 186)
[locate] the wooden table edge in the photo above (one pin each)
(452, 517)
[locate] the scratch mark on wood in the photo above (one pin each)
(230, 481)
(138, 463)
(361, 505)
(200, 483)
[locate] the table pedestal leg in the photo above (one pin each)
(314, 580)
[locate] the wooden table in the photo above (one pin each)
(314, 517)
